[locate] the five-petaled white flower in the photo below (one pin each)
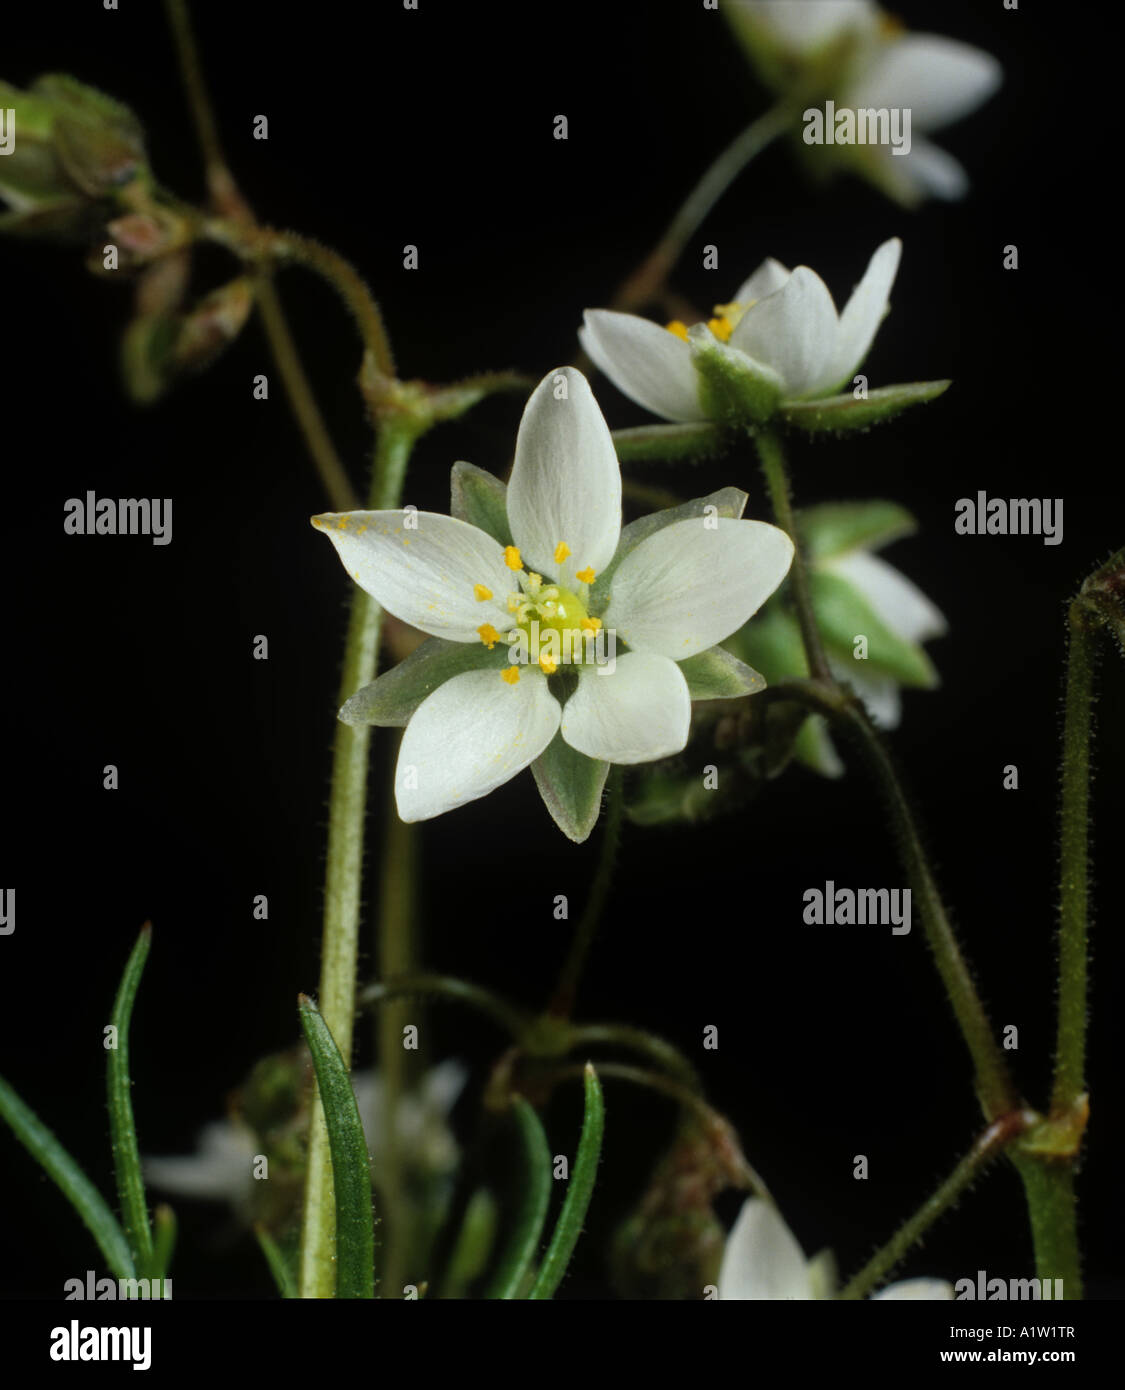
(782, 328)
(674, 594)
(882, 66)
(763, 1260)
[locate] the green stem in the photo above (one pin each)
(986, 1148)
(1049, 1188)
(995, 1089)
(646, 283)
(772, 458)
(343, 879)
(562, 1003)
(423, 983)
(1070, 1052)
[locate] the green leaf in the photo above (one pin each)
(728, 502)
(164, 1230)
(480, 499)
(579, 1192)
(835, 528)
(535, 1197)
(473, 1245)
(842, 614)
(351, 1165)
(671, 442)
(835, 414)
(392, 698)
(279, 1266)
(122, 1129)
(71, 1181)
(718, 675)
(571, 787)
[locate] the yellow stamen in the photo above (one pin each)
(590, 624)
(514, 603)
(488, 635)
(722, 328)
(562, 550)
(587, 575)
(511, 674)
(547, 666)
(512, 557)
(679, 329)
(480, 593)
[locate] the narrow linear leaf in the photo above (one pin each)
(672, 442)
(835, 414)
(535, 1198)
(122, 1128)
(164, 1231)
(579, 1192)
(351, 1166)
(278, 1265)
(71, 1181)
(473, 1245)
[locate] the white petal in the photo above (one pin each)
(644, 361)
(939, 79)
(566, 481)
(221, 1169)
(469, 737)
(423, 572)
(767, 279)
(880, 694)
(860, 320)
(804, 25)
(916, 1289)
(762, 1259)
(896, 600)
(691, 585)
(930, 170)
(793, 331)
(638, 712)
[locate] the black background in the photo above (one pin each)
(390, 127)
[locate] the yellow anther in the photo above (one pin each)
(590, 624)
(488, 635)
(679, 329)
(534, 582)
(511, 674)
(547, 666)
(586, 575)
(480, 593)
(512, 557)
(562, 550)
(722, 328)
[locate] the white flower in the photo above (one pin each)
(782, 326)
(901, 606)
(675, 594)
(763, 1260)
(938, 79)
(222, 1168)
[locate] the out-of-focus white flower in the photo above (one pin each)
(763, 1260)
(860, 57)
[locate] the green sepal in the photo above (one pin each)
(480, 499)
(99, 141)
(351, 1164)
(838, 414)
(834, 528)
(717, 674)
(571, 786)
(671, 443)
(728, 502)
(732, 389)
(392, 698)
(842, 614)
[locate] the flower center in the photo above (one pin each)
(723, 323)
(551, 624)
